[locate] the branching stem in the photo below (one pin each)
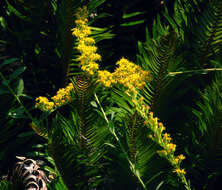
(112, 130)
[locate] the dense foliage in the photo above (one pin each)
(111, 94)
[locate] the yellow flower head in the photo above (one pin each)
(130, 75)
(106, 78)
(44, 104)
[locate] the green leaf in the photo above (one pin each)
(17, 113)
(5, 82)
(4, 91)
(8, 61)
(94, 4)
(3, 23)
(17, 72)
(132, 14)
(94, 104)
(26, 134)
(16, 12)
(5, 185)
(160, 184)
(20, 87)
(133, 23)
(111, 127)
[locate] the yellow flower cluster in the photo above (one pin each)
(86, 45)
(165, 141)
(44, 104)
(127, 73)
(106, 78)
(62, 97)
(179, 158)
(130, 75)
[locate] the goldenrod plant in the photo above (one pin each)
(152, 122)
(130, 76)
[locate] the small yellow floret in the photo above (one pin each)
(162, 153)
(171, 147)
(179, 171)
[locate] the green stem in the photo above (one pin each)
(121, 146)
(199, 71)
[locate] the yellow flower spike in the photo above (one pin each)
(86, 47)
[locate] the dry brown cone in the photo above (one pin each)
(27, 175)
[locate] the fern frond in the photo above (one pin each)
(207, 133)
(83, 86)
(158, 56)
(41, 131)
(210, 31)
(201, 25)
(62, 146)
(134, 135)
